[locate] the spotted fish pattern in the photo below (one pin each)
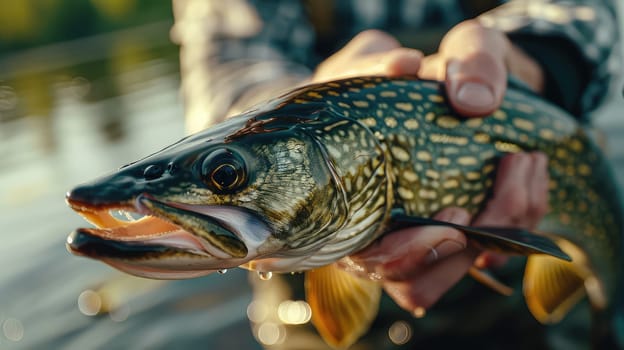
(315, 175)
(400, 136)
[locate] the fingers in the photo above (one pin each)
(490, 260)
(475, 84)
(425, 246)
(403, 254)
(421, 292)
(510, 200)
(418, 265)
(433, 67)
(520, 198)
(395, 62)
(371, 52)
(370, 41)
(401, 61)
(539, 183)
(476, 76)
(474, 62)
(520, 192)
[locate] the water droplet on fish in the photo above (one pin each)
(265, 276)
(222, 271)
(374, 276)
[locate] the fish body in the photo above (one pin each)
(317, 174)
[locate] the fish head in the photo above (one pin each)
(214, 200)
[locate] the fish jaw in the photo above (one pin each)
(171, 240)
(145, 258)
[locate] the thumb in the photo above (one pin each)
(476, 76)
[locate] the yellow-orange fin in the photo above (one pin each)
(553, 286)
(343, 305)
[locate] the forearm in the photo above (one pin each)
(574, 42)
(232, 58)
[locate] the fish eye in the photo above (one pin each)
(223, 171)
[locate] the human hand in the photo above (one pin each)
(416, 275)
(418, 265)
(474, 62)
(371, 52)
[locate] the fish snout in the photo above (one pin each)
(107, 192)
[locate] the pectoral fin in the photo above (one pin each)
(553, 286)
(343, 305)
(502, 239)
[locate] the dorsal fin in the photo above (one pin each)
(343, 305)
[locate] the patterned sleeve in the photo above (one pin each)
(236, 53)
(575, 41)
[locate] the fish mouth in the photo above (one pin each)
(149, 237)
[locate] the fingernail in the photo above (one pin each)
(442, 250)
(471, 94)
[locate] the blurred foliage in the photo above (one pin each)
(41, 60)
(29, 23)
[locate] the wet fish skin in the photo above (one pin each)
(320, 171)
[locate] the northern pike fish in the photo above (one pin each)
(319, 173)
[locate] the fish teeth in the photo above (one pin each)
(125, 216)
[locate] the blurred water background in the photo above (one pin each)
(86, 86)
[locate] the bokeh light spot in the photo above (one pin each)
(89, 302)
(271, 334)
(257, 312)
(294, 312)
(13, 329)
(400, 332)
